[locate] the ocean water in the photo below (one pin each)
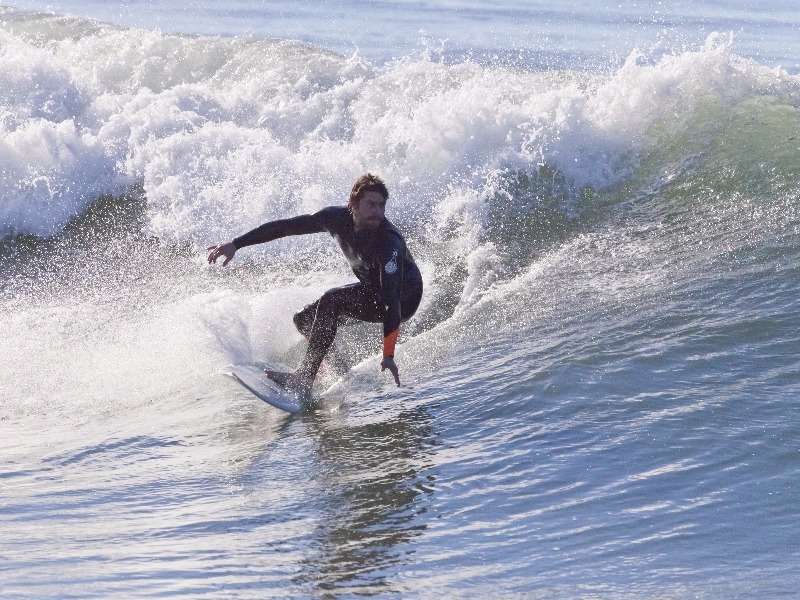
(600, 388)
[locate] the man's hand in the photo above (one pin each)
(226, 250)
(388, 363)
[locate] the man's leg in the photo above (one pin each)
(318, 323)
(356, 299)
(304, 322)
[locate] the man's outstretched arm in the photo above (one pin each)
(267, 232)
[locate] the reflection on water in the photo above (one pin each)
(378, 483)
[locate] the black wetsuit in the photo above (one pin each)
(389, 288)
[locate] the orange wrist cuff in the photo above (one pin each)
(389, 343)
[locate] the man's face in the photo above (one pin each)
(369, 211)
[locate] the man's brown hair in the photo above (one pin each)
(367, 183)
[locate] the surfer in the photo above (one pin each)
(389, 287)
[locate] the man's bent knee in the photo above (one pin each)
(326, 308)
(304, 320)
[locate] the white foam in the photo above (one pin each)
(226, 133)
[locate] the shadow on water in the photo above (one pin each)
(377, 484)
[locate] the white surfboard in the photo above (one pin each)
(253, 378)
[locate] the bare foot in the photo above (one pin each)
(291, 381)
(278, 377)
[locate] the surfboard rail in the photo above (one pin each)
(253, 379)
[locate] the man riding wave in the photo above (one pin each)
(389, 287)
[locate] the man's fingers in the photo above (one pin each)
(389, 364)
(215, 252)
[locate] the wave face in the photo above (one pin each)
(603, 371)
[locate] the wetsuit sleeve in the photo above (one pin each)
(273, 230)
(392, 287)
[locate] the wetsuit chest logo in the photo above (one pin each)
(391, 266)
